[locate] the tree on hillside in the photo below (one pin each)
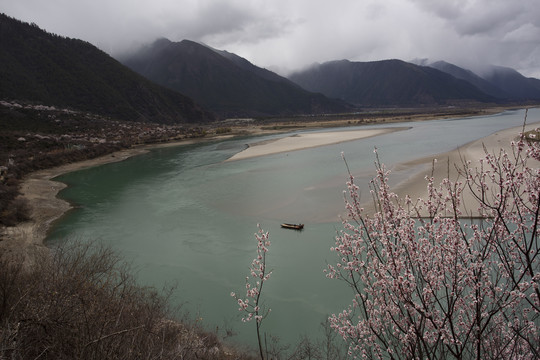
(443, 285)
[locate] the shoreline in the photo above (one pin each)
(25, 242)
(444, 165)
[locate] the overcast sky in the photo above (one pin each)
(285, 35)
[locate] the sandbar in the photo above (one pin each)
(447, 165)
(307, 140)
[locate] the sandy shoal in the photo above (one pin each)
(447, 165)
(307, 140)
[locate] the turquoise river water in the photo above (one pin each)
(183, 215)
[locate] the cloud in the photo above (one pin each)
(291, 34)
(240, 25)
(478, 32)
(484, 18)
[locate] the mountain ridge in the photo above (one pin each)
(502, 82)
(388, 83)
(42, 67)
(224, 82)
(468, 75)
(37, 66)
(518, 86)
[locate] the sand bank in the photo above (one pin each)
(446, 166)
(307, 140)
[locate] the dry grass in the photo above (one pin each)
(81, 303)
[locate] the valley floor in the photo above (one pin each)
(25, 240)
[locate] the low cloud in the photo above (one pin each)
(288, 34)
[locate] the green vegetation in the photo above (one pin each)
(223, 130)
(46, 68)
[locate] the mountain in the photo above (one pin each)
(225, 82)
(501, 82)
(246, 65)
(387, 83)
(40, 67)
(517, 86)
(467, 75)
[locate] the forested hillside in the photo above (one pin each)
(226, 83)
(45, 68)
(388, 83)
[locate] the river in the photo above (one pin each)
(183, 215)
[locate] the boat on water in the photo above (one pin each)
(292, 226)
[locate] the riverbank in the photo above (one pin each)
(25, 241)
(446, 165)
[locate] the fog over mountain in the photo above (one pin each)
(388, 83)
(232, 86)
(288, 35)
(498, 81)
(225, 82)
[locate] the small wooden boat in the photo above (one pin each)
(292, 226)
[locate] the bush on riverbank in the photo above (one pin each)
(82, 303)
(12, 209)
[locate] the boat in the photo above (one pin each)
(292, 226)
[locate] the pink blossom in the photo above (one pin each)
(441, 286)
(254, 285)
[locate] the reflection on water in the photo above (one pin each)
(184, 215)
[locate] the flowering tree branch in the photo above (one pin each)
(443, 286)
(259, 274)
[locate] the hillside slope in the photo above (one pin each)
(37, 66)
(504, 83)
(467, 75)
(517, 86)
(224, 82)
(387, 83)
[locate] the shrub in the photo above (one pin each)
(82, 303)
(12, 209)
(223, 130)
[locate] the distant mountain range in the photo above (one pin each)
(40, 67)
(168, 80)
(515, 85)
(224, 82)
(501, 82)
(399, 83)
